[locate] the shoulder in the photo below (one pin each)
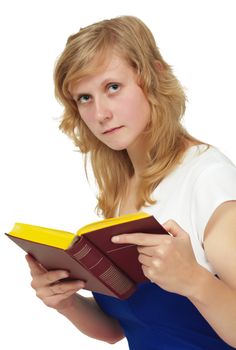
(199, 164)
(214, 186)
(212, 167)
(213, 177)
(205, 157)
(203, 163)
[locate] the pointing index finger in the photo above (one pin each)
(144, 239)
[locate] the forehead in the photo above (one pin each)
(113, 66)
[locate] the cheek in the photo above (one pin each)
(136, 106)
(86, 115)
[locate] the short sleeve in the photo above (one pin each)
(213, 187)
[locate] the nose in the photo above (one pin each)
(102, 109)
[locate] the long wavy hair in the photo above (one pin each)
(84, 54)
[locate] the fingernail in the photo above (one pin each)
(80, 284)
(115, 239)
(65, 274)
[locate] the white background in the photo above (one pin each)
(42, 177)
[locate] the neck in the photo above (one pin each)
(138, 157)
(138, 162)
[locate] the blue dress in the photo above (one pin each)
(154, 319)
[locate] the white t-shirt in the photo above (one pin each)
(190, 194)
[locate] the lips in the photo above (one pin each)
(110, 130)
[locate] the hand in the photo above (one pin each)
(168, 261)
(49, 287)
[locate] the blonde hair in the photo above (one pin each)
(166, 136)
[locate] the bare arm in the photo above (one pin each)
(87, 316)
(216, 298)
(83, 312)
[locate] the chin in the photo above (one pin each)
(116, 146)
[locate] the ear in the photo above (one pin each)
(159, 66)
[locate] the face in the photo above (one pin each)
(113, 106)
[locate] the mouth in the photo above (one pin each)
(112, 130)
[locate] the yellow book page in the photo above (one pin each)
(63, 239)
(111, 222)
(43, 235)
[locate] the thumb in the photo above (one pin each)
(174, 229)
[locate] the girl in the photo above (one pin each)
(123, 108)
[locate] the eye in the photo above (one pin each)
(113, 87)
(83, 98)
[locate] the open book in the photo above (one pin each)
(89, 255)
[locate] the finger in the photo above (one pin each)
(149, 273)
(145, 260)
(35, 267)
(53, 301)
(48, 278)
(172, 227)
(149, 251)
(157, 249)
(60, 288)
(143, 239)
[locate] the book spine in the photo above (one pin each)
(102, 268)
